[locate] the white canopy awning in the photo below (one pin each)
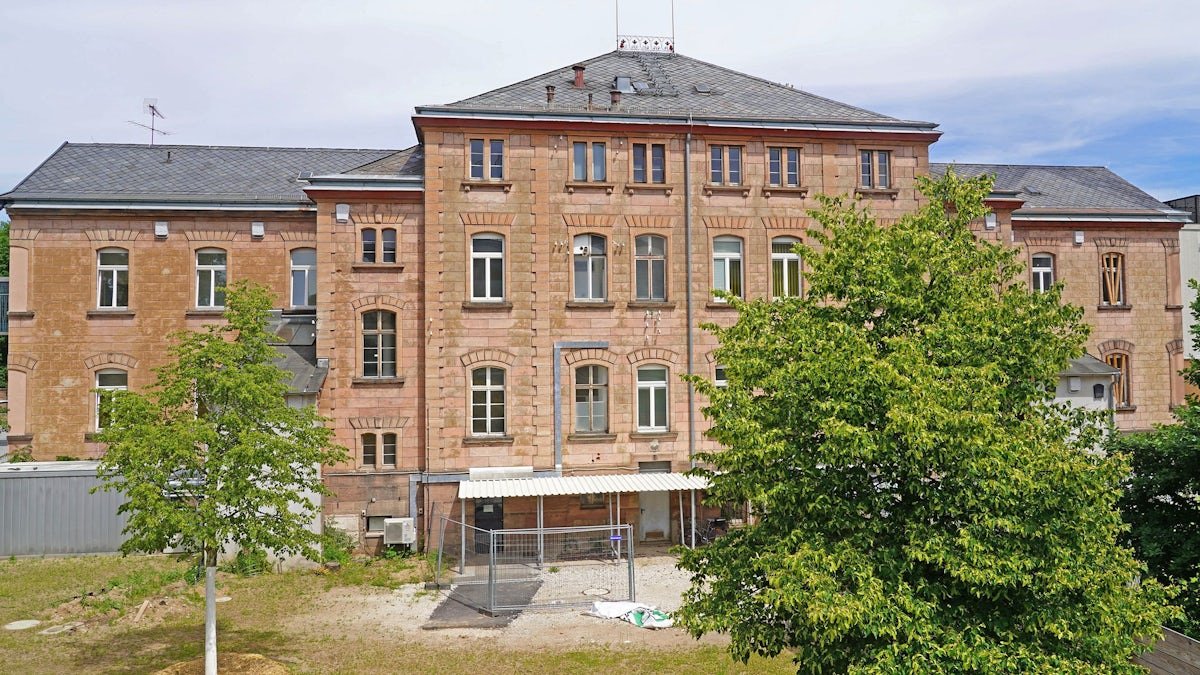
(579, 485)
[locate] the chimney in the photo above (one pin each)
(549, 93)
(616, 97)
(578, 68)
(589, 100)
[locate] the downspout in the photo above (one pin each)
(558, 347)
(687, 259)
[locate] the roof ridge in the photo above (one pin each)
(1030, 166)
(220, 147)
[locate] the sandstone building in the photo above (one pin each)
(522, 288)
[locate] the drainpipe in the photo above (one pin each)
(687, 256)
(558, 347)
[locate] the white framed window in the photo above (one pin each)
(727, 265)
(725, 164)
(376, 524)
(783, 167)
(487, 402)
(379, 343)
(875, 169)
(487, 268)
(652, 398)
(487, 159)
(587, 165)
(652, 156)
(1112, 279)
(785, 268)
(591, 268)
(304, 277)
(369, 448)
(112, 278)
(369, 244)
(1042, 271)
(719, 378)
(591, 400)
(210, 278)
(388, 244)
(107, 381)
(650, 268)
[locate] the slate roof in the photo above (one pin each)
(406, 162)
(1088, 365)
(1064, 189)
(669, 85)
(125, 173)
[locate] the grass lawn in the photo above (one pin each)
(56, 590)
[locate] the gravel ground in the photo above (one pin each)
(401, 613)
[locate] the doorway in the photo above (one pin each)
(489, 515)
(655, 521)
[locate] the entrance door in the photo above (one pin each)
(655, 522)
(489, 515)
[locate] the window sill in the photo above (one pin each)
(649, 304)
(876, 192)
(110, 313)
(572, 186)
(591, 438)
(1172, 307)
(648, 188)
(1125, 408)
(300, 311)
(719, 305)
(710, 190)
(784, 191)
(377, 381)
(487, 306)
(488, 440)
(468, 185)
(584, 304)
(20, 315)
(376, 267)
(14, 439)
(204, 313)
(653, 435)
(1114, 308)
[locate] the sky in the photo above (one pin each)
(1095, 82)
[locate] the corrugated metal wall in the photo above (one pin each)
(50, 511)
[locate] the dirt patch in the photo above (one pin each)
(239, 664)
(401, 613)
(109, 606)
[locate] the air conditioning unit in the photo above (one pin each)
(399, 531)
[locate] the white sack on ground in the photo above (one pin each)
(636, 613)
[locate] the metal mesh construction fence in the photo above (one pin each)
(498, 571)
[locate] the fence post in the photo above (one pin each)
(462, 553)
(492, 572)
(632, 587)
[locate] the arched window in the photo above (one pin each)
(1042, 271)
(591, 268)
(1121, 387)
(487, 268)
(367, 235)
(652, 398)
(379, 344)
(591, 400)
(388, 242)
(108, 381)
(785, 268)
(650, 268)
(210, 278)
(727, 265)
(304, 277)
(487, 402)
(112, 265)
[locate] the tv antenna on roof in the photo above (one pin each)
(150, 107)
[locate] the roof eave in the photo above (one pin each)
(18, 202)
(1115, 216)
(366, 182)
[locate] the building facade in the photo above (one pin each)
(521, 290)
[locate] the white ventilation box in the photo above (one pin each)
(399, 531)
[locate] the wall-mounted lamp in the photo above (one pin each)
(257, 230)
(160, 229)
(341, 213)
(989, 221)
(1078, 237)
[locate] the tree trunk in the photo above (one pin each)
(210, 611)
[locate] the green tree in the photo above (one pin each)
(921, 504)
(1162, 499)
(211, 454)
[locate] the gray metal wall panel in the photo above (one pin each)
(55, 514)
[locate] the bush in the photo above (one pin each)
(247, 563)
(336, 544)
